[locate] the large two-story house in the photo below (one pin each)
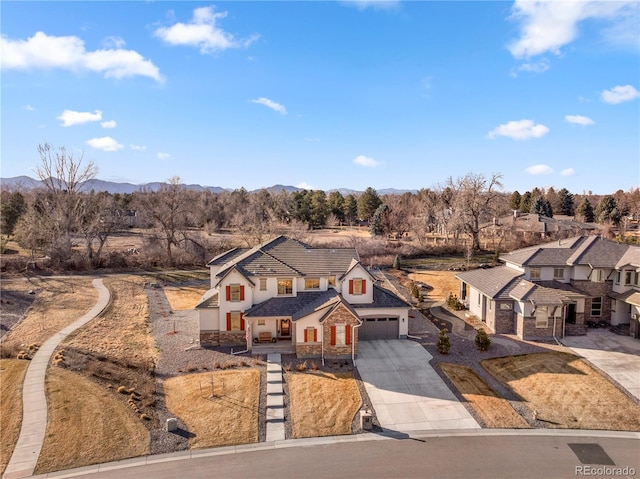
(557, 289)
(317, 301)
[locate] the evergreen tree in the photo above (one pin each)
(514, 200)
(443, 344)
(319, 209)
(525, 202)
(607, 210)
(11, 210)
(350, 209)
(368, 203)
(542, 207)
(566, 202)
(585, 211)
(335, 202)
(379, 224)
(482, 340)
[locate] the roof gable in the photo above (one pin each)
(493, 282)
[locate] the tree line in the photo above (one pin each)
(72, 226)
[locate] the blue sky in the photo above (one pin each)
(327, 94)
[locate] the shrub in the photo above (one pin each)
(287, 367)
(122, 390)
(454, 303)
(443, 344)
(302, 367)
(482, 340)
(314, 366)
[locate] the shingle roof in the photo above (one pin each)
(631, 257)
(227, 256)
(383, 298)
(528, 291)
(599, 253)
(632, 297)
(290, 257)
(493, 282)
(209, 300)
(295, 307)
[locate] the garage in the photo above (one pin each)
(378, 328)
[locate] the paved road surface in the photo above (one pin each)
(464, 456)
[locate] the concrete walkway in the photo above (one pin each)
(275, 399)
(34, 401)
(405, 391)
(617, 356)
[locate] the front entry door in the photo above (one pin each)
(285, 327)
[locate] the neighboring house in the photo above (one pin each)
(557, 289)
(533, 225)
(317, 301)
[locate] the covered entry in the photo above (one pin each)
(379, 328)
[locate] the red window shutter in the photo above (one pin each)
(333, 335)
(364, 286)
(306, 338)
(350, 286)
(228, 320)
(241, 293)
(347, 334)
(315, 335)
(242, 321)
(228, 289)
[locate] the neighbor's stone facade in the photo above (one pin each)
(232, 337)
(593, 290)
(527, 328)
(341, 315)
(210, 338)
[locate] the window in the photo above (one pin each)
(340, 335)
(235, 321)
(235, 292)
(312, 283)
(613, 305)
(558, 273)
(627, 277)
(357, 286)
(596, 306)
(505, 306)
(635, 278)
(598, 276)
(285, 287)
(332, 281)
(542, 318)
(261, 322)
(534, 273)
(618, 277)
(310, 335)
(263, 284)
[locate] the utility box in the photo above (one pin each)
(172, 424)
(366, 420)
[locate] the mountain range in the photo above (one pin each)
(26, 182)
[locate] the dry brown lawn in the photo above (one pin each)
(322, 404)
(219, 408)
(184, 297)
(12, 373)
(495, 411)
(566, 392)
(87, 425)
(59, 302)
(122, 332)
(442, 282)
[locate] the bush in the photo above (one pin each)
(302, 367)
(443, 344)
(454, 303)
(482, 340)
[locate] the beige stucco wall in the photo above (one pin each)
(358, 272)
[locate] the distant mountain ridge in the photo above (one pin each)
(122, 188)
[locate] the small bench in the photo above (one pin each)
(266, 337)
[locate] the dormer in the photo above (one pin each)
(357, 284)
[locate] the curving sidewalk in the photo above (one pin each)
(34, 401)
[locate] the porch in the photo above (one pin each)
(280, 346)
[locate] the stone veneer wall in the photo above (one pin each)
(309, 350)
(591, 289)
(209, 338)
(232, 337)
(527, 328)
(340, 315)
(504, 323)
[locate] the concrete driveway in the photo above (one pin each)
(405, 391)
(618, 356)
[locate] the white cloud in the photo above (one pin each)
(28, 108)
(619, 94)
(163, 156)
(270, 104)
(546, 26)
(138, 147)
(568, 172)
(537, 67)
(539, 170)
(579, 120)
(106, 143)
(519, 130)
(202, 32)
(68, 53)
(113, 42)
(375, 4)
(305, 186)
(108, 124)
(70, 117)
(366, 161)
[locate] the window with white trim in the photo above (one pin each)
(236, 318)
(357, 286)
(234, 293)
(263, 284)
(331, 281)
(627, 277)
(311, 283)
(542, 317)
(618, 277)
(534, 273)
(341, 334)
(285, 287)
(596, 306)
(558, 273)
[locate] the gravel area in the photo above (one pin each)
(176, 334)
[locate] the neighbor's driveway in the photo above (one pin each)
(618, 356)
(405, 391)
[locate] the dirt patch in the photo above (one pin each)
(87, 425)
(322, 404)
(219, 408)
(58, 303)
(494, 411)
(15, 301)
(565, 392)
(442, 284)
(182, 298)
(12, 373)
